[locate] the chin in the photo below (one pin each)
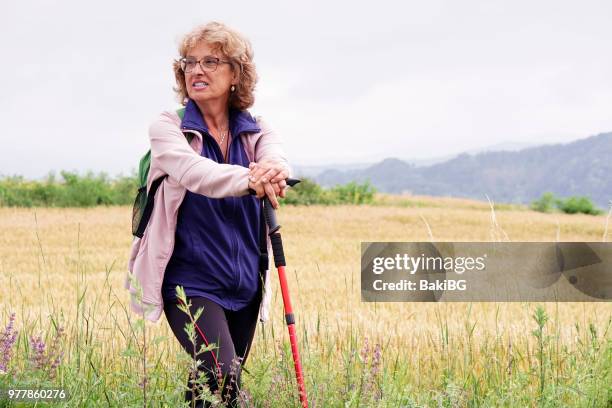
(199, 98)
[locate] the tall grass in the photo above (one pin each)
(354, 354)
(348, 369)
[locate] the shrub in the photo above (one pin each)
(571, 205)
(307, 192)
(546, 203)
(74, 190)
(353, 193)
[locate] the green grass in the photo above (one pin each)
(346, 369)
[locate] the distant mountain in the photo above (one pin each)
(503, 147)
(309, 170)
(582, 167)
(315, 170)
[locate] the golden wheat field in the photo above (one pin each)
(51, 257)
(45, 254)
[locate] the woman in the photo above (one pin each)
(204, 233)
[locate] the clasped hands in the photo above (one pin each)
(267, 178)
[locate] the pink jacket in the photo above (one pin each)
(171, 154)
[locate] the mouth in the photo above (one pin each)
(199, 85)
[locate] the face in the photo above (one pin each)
(205, 86)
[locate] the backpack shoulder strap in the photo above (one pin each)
(146, 213)
(181, 113)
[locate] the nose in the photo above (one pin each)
(197, 68)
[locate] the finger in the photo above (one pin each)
(255, 169)
(255, 177)
(261, 192)
(266, 176)
(276, 187)
(257, 174)
(271, 195)
(270, 175)
(281, 175)
(252, 169)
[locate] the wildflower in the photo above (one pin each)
(245, 399)
(46, 358)
(375, 370)
(376, 360)
(55, 353)
(372, 361)
(38, 347)
(234, 367)
(365, 351)
(7, 341)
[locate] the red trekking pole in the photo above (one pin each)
(279, 262)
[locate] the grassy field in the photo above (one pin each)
(65, 268)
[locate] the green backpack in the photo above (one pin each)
(143, 204)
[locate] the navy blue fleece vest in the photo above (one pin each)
(216, 250)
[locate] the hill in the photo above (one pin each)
(582, 167)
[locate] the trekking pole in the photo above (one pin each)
(279, 262)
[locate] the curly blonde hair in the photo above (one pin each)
(235, 48)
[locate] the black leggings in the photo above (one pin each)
(231, 331)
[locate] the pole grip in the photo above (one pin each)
(270, 216)
(277, 249)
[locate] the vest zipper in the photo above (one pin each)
(233, 216)
(235, 248)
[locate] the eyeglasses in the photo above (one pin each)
(208, 64)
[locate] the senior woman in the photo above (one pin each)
(204, 233)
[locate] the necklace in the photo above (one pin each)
(223, 136)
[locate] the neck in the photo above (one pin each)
(216, 115)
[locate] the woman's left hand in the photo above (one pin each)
(269, 172)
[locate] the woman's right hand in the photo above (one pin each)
(269, 189)
(270, 177)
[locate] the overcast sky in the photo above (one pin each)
(342, 82)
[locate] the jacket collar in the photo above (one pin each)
(239, 121)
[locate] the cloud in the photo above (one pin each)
(341, 81)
